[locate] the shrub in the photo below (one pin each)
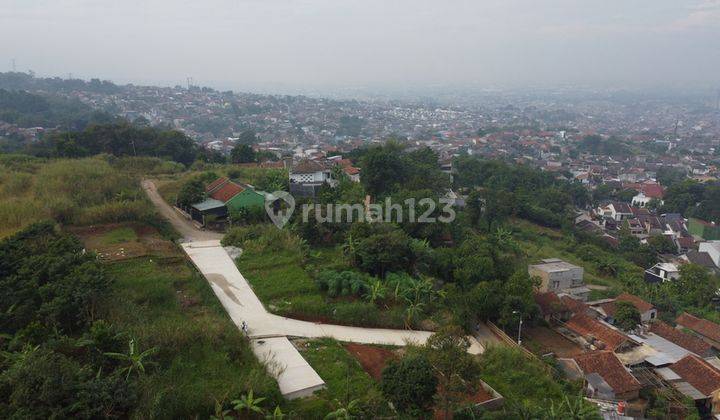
(409, 383)
(343, 283)
(357, 313)
(265, 238)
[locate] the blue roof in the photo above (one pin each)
(208, 204)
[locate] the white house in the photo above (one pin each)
(309, 172)
(307, 176)
(617, 211)
(641, 200)
(661, 272)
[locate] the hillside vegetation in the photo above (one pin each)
(72, 191)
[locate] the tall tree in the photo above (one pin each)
(243, 153)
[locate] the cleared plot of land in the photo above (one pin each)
(122, 241)
(543, 340)
(373, 359)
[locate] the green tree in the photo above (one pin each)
(243, 153)
(409, 383)
(626, 316)
(661, 244)
(695, 287)
(193, 191)
(347, 411)
(456, 370)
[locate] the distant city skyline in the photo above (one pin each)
(340, 45)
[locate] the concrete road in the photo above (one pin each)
(242, 304)
(268, 332)
(182, 225)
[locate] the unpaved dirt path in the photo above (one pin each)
(183, 226)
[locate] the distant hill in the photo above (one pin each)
(31, 110)
(28, 81)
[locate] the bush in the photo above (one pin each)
(409, 383)
(357, 313)
(263, 238)
(344, 283)
(114, 212)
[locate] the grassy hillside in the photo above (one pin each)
(203, 357)
(86, 191)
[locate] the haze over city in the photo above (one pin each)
(280, 45)
(360, 209)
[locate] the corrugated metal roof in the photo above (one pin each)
(665, 351)
(208, 204)
(667, 374)
(689, 390)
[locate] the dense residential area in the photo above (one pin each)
(152, 264)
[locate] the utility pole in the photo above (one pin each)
(13, 65)
(519, 340)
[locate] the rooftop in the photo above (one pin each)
(610, 307)
(607, 365)
(677, 337)
(589, 327)
(698, 373)
(552, 265)
(208, 204)
(227, 191)
(701, 326)
(307, 166)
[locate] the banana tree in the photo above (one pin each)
(135, 360)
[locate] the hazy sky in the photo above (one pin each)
(335, 43)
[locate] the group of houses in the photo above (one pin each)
(616, 365)
(695, 241)
(225, 196)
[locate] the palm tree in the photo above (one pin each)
(349, 249)
(377, 291)
(344, 412)
(248, 403)
(504, 239)
(413, 310)
(608, 266)
(136, 361)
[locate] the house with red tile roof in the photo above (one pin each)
(223, 197)
(551, 306)
(598, 334)
(696, 379)
(606, 378)
(227, 191)
(707, 330)
(215, 185)
(687, 341)
(608, 307)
